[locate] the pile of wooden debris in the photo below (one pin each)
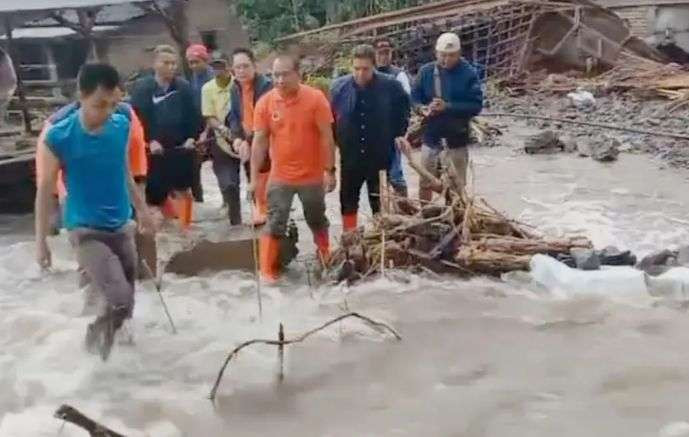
(643, 78)
(459, 233)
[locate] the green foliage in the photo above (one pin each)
(269, 19)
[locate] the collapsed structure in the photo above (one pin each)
(500, 37)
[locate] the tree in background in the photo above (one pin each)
(269, 19)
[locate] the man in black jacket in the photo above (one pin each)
(171, 121)
(371, 110)
(248, 87)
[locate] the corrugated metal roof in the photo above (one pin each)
(108, 14)
(49, 32)
(42, 5)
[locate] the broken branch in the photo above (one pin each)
(74, 416)
(299, 339)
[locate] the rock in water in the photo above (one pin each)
(586, 259)
(659, 262)
(612, 256)
(569, 144)
(543, 142)
(606, 151)
(584, 148)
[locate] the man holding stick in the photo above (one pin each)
(91, 146)
(450, 91)
(248, 87)
(294, 122)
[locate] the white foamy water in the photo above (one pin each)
(478, 358)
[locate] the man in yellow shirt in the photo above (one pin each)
(215, 105)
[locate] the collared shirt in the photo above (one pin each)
(215, 100)
(296, 150)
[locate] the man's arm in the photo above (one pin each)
(136, 196)
(194, 124)
(401, 109)
(234, 118)
(418, 93)
(259, 151)
(328, 141)
(472, 101)
(46, 181)
(403, 79)
(207, 109)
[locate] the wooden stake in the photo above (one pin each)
(281, 353)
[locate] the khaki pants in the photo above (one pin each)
(457, 159)
(280, 198)
(109, 260)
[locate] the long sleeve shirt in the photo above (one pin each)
(462, 93)
(169, 116)
(368, 119)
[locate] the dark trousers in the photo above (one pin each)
(197, 187)
(226, 169)
(351, 181)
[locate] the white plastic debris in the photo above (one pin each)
(673, 284)
(563, 281)
(675, 429)
(581, 98)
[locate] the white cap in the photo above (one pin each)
(448, 43)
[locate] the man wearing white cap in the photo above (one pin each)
(450, 90)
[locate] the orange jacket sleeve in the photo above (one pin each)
(137, 147)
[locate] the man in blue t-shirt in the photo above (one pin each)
(91, 146)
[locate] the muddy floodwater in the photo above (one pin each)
(478, 358)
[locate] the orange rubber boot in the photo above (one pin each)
(269, 256)
(185, 208)
(168, 209)
(322, 240)
(349, 222)
(261, 197)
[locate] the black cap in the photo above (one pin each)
(219, 59)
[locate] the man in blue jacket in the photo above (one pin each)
(371, 111)
(451, 92)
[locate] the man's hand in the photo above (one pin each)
(404, 146)
(43, 256)
(251, 187)
(245, 151)
(437, 106)
(190, 144)
(156, 148)
(147, 224)
(330, 181)
(237, 145)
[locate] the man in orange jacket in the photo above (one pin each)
(294, 123)
(249, 86)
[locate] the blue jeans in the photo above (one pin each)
(396, 174)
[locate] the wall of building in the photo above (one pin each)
(129, 49)
(639, 18)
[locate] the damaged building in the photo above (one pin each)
(661, 23)
(500, 37)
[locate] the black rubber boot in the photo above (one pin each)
(234, 211)
(401, 190)
(100, 335)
